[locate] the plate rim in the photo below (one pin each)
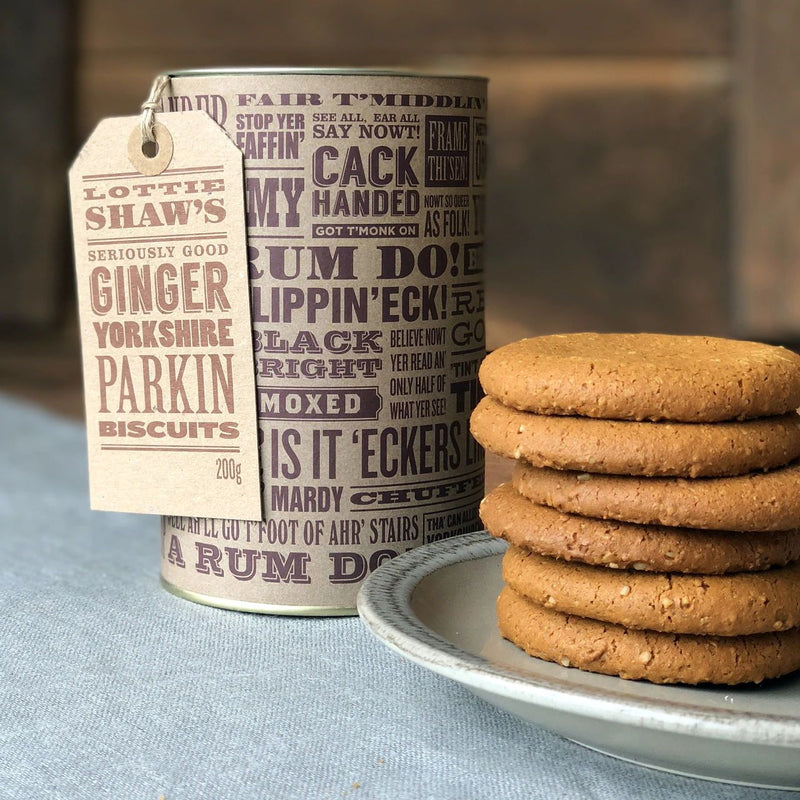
(384, 606)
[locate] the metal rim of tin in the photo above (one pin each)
(257, 608)
(363, 72)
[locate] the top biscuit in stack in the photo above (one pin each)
(644, 376)
(647, 453)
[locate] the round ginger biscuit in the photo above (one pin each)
(641, 376)
(622, 545)
(645, 655)
(737, 604)
(620, 447)
(758, 501)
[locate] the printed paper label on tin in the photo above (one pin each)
(164, 301)
(364, 200)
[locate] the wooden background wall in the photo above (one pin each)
(639, 177)
(609, 187)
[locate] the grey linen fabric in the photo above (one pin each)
(112, 688)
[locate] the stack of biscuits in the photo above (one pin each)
(654, 509)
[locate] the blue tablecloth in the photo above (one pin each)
(112, 688)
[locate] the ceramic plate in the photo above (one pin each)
(435, 606)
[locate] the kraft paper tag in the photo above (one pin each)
(161, 261)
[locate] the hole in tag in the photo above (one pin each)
(149, 149)
(151, 158)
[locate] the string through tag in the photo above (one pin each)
(149, 108)
(150, 146)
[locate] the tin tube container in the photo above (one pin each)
(365, 225)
